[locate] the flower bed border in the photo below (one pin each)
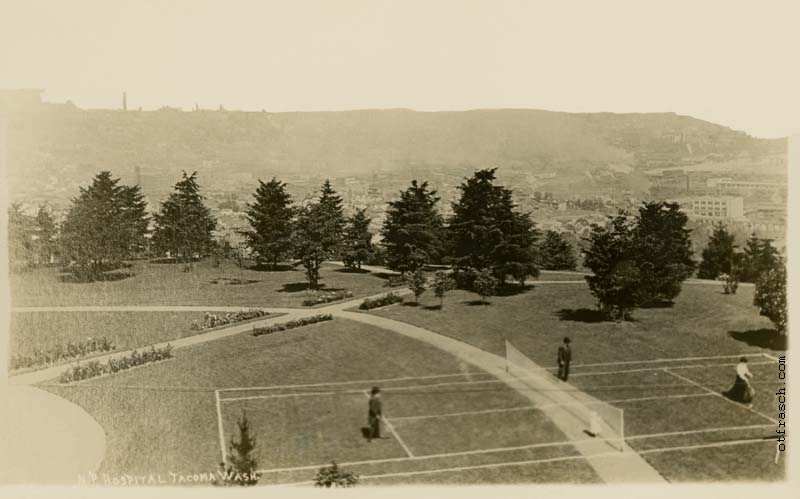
(292, 324)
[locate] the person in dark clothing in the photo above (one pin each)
(564, 358)
(742, 390)
(375, 414)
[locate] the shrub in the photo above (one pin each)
(94, 368)
(333, 476)
(464, 278)
(283, 326)
(213, 320)
(381, 301)
(319, 297)
(485, 284)
(62, 351)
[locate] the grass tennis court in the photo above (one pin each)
(437, 425)
(448, 426)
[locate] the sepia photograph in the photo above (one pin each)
(472, 247)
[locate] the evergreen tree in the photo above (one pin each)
(487, 233)
(664, 249)
(270, 217)
(718, 255)
(45, 232)
(318, 232)
(134, 212)
(184, 224)
(770, 295)
(758, 258)
(556, 253)
(611, 255)
(412, 231)
(105, 225)
(21, 229)
(243, 466)
(357, 240)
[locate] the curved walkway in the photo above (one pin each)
(611, 465)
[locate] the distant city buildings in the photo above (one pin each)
(714, 207)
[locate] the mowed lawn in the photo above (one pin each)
(32, 331)
(162, 418)
(167, 284)
(703, 322)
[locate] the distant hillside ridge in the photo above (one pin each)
(340, 143)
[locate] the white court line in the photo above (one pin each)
(543, 406)
(479, 373)
(655, 361)
(390, 389)
(514, 448)
(776, 359)
(221, 430)
(480, 382)
(539, 461)
(720, 395)
(645, 369)
(364, 381)
(694, 432)
(705, 446)
(391, 429)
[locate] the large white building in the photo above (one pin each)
(714, 207)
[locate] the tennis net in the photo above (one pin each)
(600, 419)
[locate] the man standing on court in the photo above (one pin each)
(375, 414)
(564, 358)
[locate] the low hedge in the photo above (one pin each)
(283, 326)
(319, 297)
(381, 301)
(94, 368)
(63, 351)
(213, 320)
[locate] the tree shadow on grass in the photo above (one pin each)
(763, 338)
(409, 304)
(296, 287)
(281, 267)
(350, 270)
(659, 304)
(513, 289)
(581, 315)
(476, 303)
(432, 307)
(232, 282)
(104, 277)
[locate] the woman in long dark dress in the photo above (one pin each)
(741, 391)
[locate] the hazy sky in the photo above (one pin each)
(727, 61)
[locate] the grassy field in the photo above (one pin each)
(163, 417)
(167, 284)
(30, 331)
(702, 323)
